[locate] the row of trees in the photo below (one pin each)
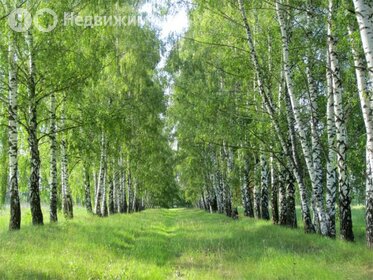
(84, 114)
(272, 105)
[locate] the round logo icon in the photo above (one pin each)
(41, 13)
(20, 20)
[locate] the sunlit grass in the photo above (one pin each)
(177, 244)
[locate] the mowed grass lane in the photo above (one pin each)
(177, 244)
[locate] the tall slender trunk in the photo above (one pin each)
(67, 201)
(341, 135)
(95, 184)
(219, 190)
(315, 146)
(211, 196)
(282, 197)
(118, 188)
(308, 226)
(227, 158)
(129, 188)
(369, 203)
(264, 190)
(291, 214)
(331, 179)
(219, 182)
(116, 192)
(315, 217)
(134, 198)
(36, 213)
(101, 180)
(123, 199)
(364, 11)
(317, 195)
(246, 194)
(289, 179)
(87, 189)
(307, 153)
(15, 208)
(53, 162)
(111, 197)
(143, 202)
(257, 192)
(205, 197)
(274, 192)
(365, 102)
(227, 198)
(104, 207)
(331, 165)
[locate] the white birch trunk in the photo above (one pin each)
(67, 201)
(101, 178)
(104, 207)
(264, 190)
(274, 191)
(341, 135)
(34, 182)
(364, 13)
(316, 147)
(331, 165)
(129, 190)
(53, 161)
(307, 152)
(15, 209)
(87, 188)
(365, 102)
(308, 226)
(245, 189)
(257, 191)
(369, 204)
(282, 215)
(123, 196)
(134, 196)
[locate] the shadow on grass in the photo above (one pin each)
(23, 273)
(176, 238)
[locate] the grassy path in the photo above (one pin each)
(175, 244)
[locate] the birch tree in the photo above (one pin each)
(67, 201)
(365, 97)
(341, 135)
(87, 189)
(308, 226)
(307, 153)
(15, 208)
(264, 188)
(274, 191)
(101, 177)
(53, 161)
(364, 11)
(331, 165)
(32, 127)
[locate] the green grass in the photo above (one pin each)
(177, 244)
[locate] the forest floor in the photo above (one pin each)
(177, 244)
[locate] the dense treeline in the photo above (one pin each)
(82, 113)
(272, 107)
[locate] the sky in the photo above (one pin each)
(173, 24)
(176, 22)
